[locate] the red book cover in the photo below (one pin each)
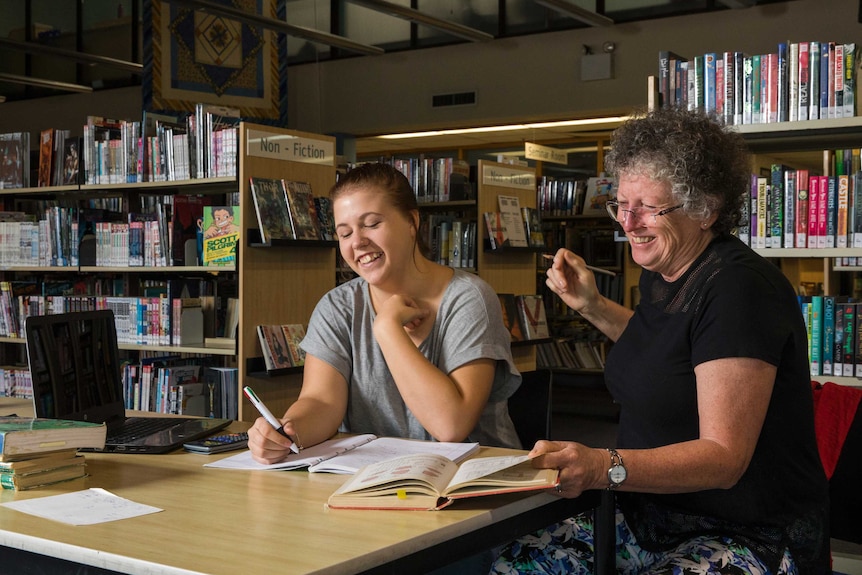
(813, 210)
(802, 209)
(804, 85)
(772, 87)
(822, 210)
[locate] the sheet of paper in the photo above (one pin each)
(82, 507)
(305, 458)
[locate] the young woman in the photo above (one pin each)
(410, 348)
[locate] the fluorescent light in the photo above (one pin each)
(576, 12)
(418, 17)
(504, 128)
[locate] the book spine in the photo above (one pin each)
(850, 80)
(813, 210)
(776, 215)
(790, 217)
(814, 80)
(822, 211)
(782, 86)
(793, 81)
(828, 341)
(762, 204)
(829, 183)
(802, 209)
(709, 94)
(803, 82)
(824, 80)
(842, 214)
(816, 333)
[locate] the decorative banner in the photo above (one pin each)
(508, 178)
(290, 148)
(545, 154)
(194, 57)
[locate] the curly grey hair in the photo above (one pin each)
(707, 165)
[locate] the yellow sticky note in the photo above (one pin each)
(402, 494)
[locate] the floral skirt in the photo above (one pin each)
(567, 548)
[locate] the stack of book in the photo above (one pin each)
(35, 451)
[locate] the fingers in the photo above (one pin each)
(266, 444)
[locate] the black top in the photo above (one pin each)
(730, 303)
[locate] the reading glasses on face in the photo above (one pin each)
(622, 214)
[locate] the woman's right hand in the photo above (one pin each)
(570, 279)
(266, 444)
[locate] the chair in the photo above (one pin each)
(530, 410)
(530, 407)
(838, 424)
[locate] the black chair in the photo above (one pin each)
(530, 407)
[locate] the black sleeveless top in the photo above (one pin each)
(730, 303)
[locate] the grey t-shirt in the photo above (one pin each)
(469, 326)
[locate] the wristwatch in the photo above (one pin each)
(617, 472)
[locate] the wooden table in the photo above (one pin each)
(219, 521)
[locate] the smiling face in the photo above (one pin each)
(376, 240)
(667, 243)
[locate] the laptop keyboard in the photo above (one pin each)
(139, 427)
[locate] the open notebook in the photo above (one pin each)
(76, 372)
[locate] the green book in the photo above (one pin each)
(26, 437)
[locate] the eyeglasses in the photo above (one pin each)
(621, 214)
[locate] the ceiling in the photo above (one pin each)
(52, 47)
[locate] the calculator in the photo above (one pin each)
(218, 443)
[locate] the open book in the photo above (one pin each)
(429, 481)
(348, 454)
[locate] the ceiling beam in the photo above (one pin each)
(53, 84)
(417, 17)
(82, 57)
(737, 3)
(576, 12)
(279, 26)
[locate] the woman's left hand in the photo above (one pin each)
(581, 467)
(403, 309)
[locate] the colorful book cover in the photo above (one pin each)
(531, 312)
(510, 315)
(293, 335)
(270, 205)
(220, 235)
(303, 214)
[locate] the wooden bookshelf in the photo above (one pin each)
(280, 283)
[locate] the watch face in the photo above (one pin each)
(617, 474)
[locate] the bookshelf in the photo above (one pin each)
(280, 282)
(508, 270)
(275, 283)
(802, 144)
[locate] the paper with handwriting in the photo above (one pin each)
(82, 507)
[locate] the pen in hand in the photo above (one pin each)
(589, 267)
(267, 415)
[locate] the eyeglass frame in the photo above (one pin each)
(610, 204)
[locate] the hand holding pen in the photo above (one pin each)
(267, 414)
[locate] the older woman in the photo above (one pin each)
(716, 467)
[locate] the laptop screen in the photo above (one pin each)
(75, 366)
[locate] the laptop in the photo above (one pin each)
(76, 372)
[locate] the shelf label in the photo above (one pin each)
(290, 148)
(545, 154)
(508, 178)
